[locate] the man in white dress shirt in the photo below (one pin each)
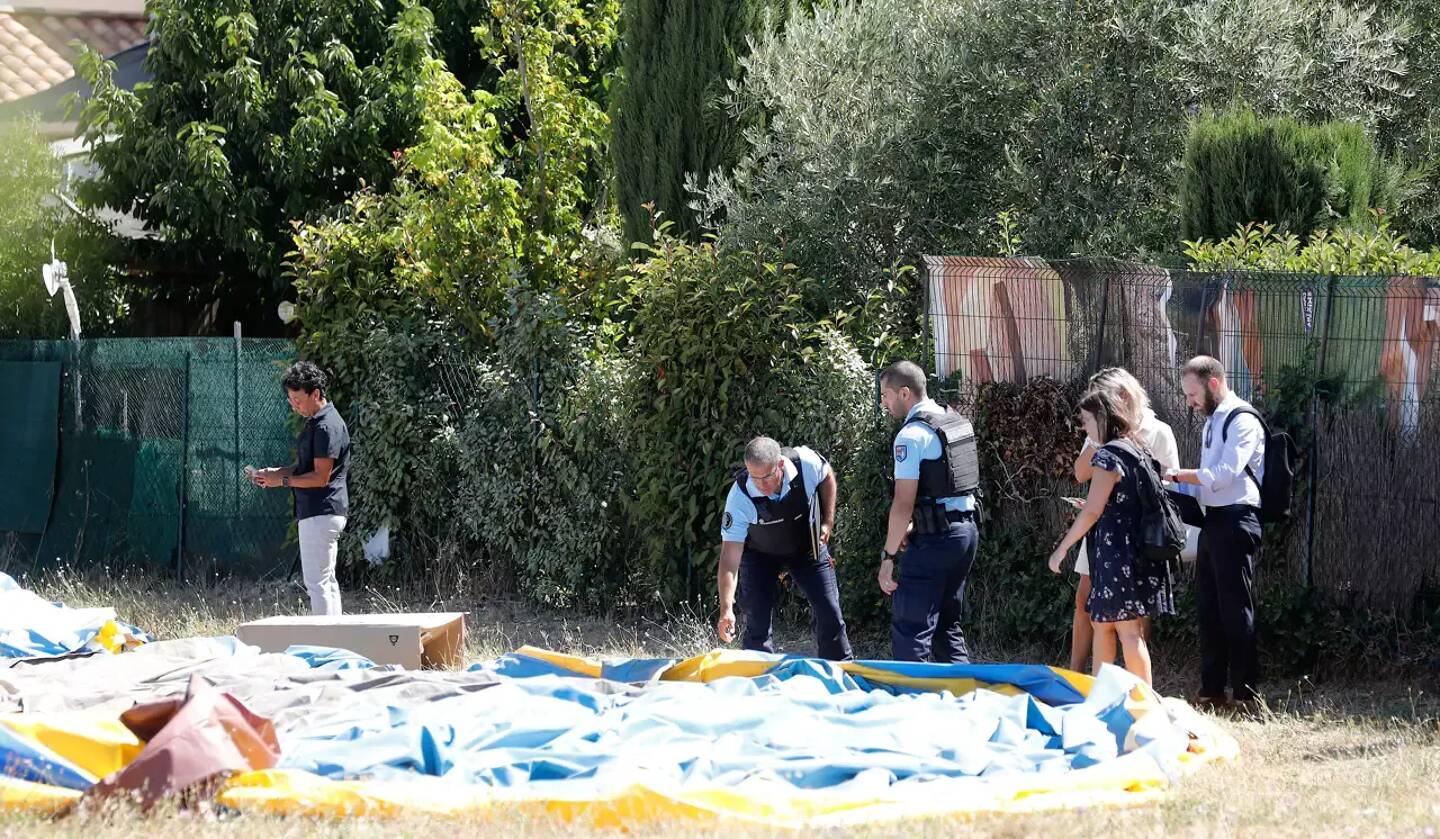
(1232, 464)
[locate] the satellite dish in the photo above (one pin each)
(57, 277)
(54, 272)
(52, 283)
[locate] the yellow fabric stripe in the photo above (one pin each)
(17, 796)
(95, 742)
(1080, 681)
(718, 664)
(580, 664)
(955, 686)
(1130, 780)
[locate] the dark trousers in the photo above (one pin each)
(1225, 598)
(759, 584)
(925, 623)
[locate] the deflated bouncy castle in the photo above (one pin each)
(784, 741)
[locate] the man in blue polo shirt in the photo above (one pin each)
(318, 481)
(773, 524)
(936, 476)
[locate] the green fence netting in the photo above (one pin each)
(153, 436)
(29, 417)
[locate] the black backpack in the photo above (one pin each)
(1161, 530)
(1275, 490)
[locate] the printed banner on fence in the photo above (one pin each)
(1011, 319)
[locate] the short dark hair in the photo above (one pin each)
(904, 374)
(1113, 419)
(306, 376)
(1205, 368)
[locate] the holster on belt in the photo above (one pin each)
(929, 517)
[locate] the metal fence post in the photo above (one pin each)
(1313, 467)
(184, 473)
(236, 483)
(1199, 347)
(926, 327)
(79, 394)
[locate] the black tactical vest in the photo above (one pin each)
(954, 473)
(957, 470)
(781, 528)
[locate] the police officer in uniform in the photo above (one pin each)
(773, 524)
(934, 510)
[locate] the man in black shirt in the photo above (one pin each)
(317, 479)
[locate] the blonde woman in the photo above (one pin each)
(1155, 436)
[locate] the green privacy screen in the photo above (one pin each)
(29, 421)
(153, 436)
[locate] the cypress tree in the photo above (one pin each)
(1240, 168)
(677, 56)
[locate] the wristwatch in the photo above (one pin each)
(886, 555)
(284, 480)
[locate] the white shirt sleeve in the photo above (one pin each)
(1163, 446)
(1246, 436)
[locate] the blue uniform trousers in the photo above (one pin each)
(925, 623)
(759, 585)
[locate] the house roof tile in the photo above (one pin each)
(36, 47)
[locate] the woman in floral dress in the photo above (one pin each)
(1124, 589)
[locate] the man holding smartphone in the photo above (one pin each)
(317, 481)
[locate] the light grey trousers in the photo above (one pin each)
(319, 548)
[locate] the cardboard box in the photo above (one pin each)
(410, 640)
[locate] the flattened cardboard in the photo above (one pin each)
(413, 641)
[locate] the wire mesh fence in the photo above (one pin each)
(153, 435)
(1351, 363)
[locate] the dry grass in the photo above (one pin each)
(1341, 759)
